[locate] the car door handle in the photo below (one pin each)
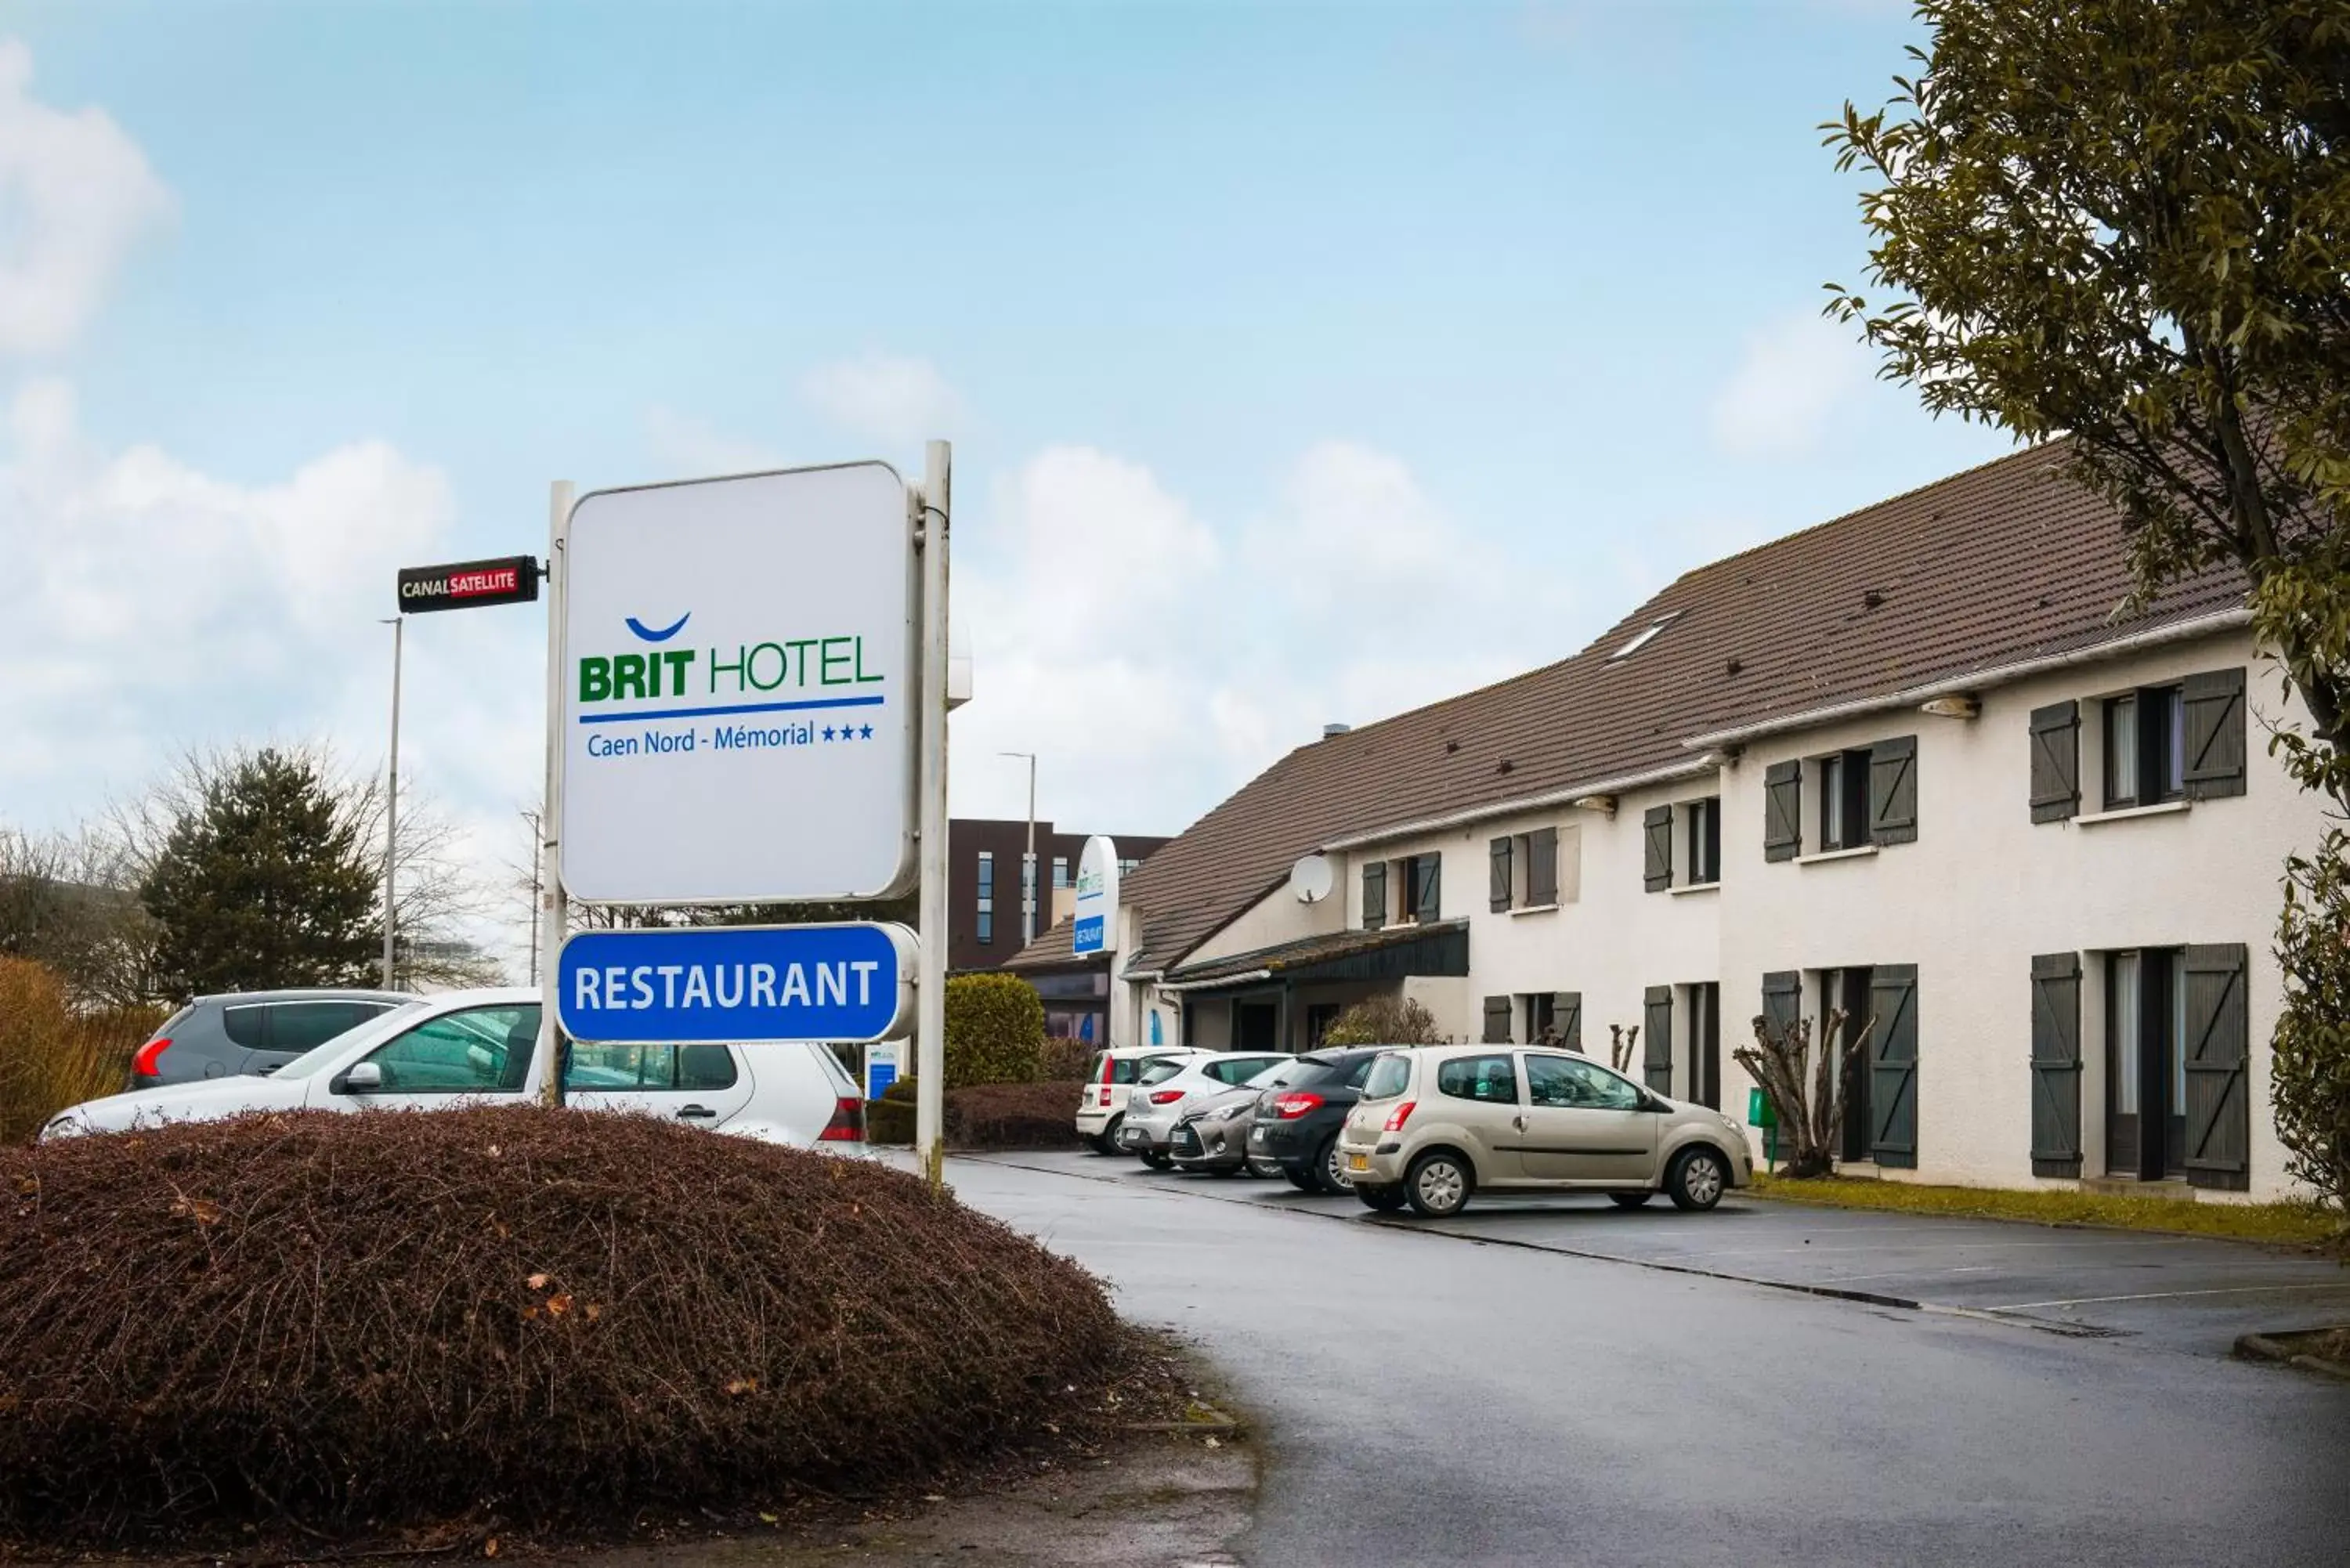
(696, 1113)
(1519, 1123)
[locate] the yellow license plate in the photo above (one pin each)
(1359, 1162)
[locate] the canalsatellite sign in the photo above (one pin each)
(844, 982)
(740, 667)
(468, 585)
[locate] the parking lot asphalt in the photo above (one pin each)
(1555, 1383)
(2181, 1292)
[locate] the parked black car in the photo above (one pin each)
(1297, 1126)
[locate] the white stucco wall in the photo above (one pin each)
(1983, 889)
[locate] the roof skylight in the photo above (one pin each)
(1641, 638)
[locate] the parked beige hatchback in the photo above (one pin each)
(1438, 1123)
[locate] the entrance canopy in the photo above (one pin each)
(1398, 953)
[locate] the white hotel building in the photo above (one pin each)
(1914, 762)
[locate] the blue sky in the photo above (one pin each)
(1303, 361)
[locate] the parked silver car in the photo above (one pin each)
(1161, 1097)
(1437, 1124)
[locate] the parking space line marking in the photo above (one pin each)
(2341, 1285)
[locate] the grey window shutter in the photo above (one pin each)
(2055, 761)
(1656, 830)
(1892, 790)
(2215, 734)
(1374, 895)
(1567, 1017)
(2057, 1064)
(1656, 1039)
(1498, 853)
(1429, 900)
(1497, 1021)
(1783, 811)
(1542, 866)
(2218, 1045)
(1783, 998)
(1892, 1064)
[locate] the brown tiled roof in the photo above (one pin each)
(2001, 564)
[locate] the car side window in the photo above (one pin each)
(1158, 1072)
(247, 1026)
(298, 1026)
(482, 1050)
(648, 1069)
(1490, 1079)
(1563, 1081)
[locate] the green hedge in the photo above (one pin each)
(995, 1030)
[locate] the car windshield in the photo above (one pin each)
(1389, 1077)
(1158, 1071)
(1307, 1072)
(319, 1055)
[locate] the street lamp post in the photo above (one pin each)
(1031, 884)
(392, 805)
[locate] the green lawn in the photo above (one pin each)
(2289, 1223)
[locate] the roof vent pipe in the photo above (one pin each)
(1331, 731)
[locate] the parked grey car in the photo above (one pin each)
(252, 1032)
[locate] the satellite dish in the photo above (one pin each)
(1311, 880)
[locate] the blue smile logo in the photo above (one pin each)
(661, 633)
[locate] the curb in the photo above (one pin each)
(2312, 1249)
(2279, 1347)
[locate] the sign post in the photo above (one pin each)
(934, 516)
(554, 905)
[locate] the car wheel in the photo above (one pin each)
(1630, 1199)
(1438, 1185)
(1106, 1140)
(1696, 1178)
(1330, 1169)
(1381, 1200)
(1157, 1161)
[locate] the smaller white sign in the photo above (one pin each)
(1096, 915)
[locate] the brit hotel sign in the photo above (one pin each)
(739, 661)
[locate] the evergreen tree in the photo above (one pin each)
(263, 882)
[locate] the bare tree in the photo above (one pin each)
(71, 904)
(1810, 1114)
(1620, 1041)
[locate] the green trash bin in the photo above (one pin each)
(1760, 1113)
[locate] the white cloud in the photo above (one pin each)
(1796, 376)
(76, 193)
(1156, 662)
(897, 400)
(693, 449)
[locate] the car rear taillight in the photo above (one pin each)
(1165, 1096)
(1400, 1115)
(1105, 1099)
(1295, 1104)
(847, 1124)
(144, 1062)
(1108, 1067)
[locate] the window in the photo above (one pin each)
(1390, 1076)
(1848, 989)
(1704, 1031)
(1158, 1071)
(1129, 868)
(1420, 879)
(1641, 638)
(1525, 870)
(1060, 873)
(1844, 800)
(986, 896)
(1540, 1010)
(2146, 1063)
(1492, 1080)
(293, 1027)
(1238, 1070)
(2146, 747)
(623, 1069)
(1577, 1086)
(1701, 824)
(482, 1050)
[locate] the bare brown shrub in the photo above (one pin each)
(357, 1324)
